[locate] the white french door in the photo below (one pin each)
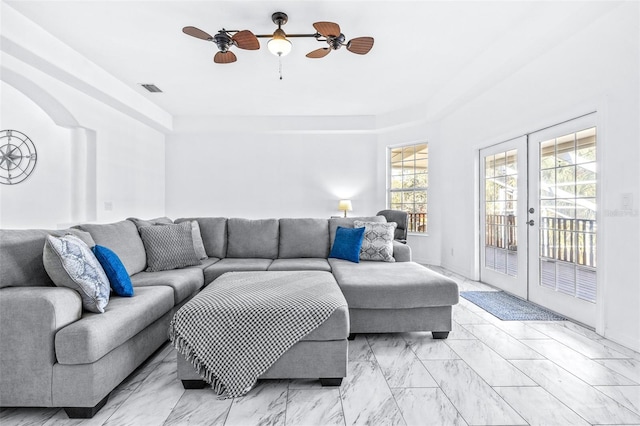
(562, 191)
(538, 205)
(503, 195)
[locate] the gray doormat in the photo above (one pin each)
(508, 307)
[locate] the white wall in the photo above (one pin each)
(126, 169)
(258, 173)
(413, 128)
(43, 199)
(595, 69)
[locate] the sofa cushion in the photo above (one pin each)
(347, 222)
(93, 336)
(382, 285)
(184, 282)
(377, 244)
(235, 265)
(70, 263)
(249, 238)
(21, 255)
(304, 238)
(123, 238)
(118, 277)
(214, 234)
(301, 264)
(169, 246)
(204, 264)
(347, 244)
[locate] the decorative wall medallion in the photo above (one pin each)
(17, 157)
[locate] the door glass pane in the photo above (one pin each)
(500, 202)
(567, 208)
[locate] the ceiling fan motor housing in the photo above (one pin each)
(223, 41)
(336, 42)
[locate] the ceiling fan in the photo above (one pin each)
(225, 40)
(279, 44)
(335, 39)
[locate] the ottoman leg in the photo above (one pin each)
(352, 336)
(194, 384)
(337, 381)
(440, 334)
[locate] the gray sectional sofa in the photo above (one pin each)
(54, 354)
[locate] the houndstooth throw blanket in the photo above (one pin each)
(239, 325)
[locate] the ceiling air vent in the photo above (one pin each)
(151, 87)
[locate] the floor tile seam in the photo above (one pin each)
(131, 392)
(443, 393)
(485, 382)
(558, 400)
(377, 364)
(568, 372)
(622, 356)
(615, 373)
(140, 383)
(226, 416)
(524, 325)
(491, 349)
(568, 347)
(633, 410)
(54, 412)
(344, 417)
(518, 412)
(510, 336)
(286, 403)
(421, 359)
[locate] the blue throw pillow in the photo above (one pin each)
(347, 244)
(115, 270)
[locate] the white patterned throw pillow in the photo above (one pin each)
(70, 263)
(378, 240)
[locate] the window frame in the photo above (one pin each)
(390, 191)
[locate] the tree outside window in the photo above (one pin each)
(408, 183)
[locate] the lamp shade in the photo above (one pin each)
(345, 205)
(279, 45)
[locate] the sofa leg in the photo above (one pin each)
(334, 381)
(352, 336)
(85, 412)
(440, 334)
(194, 384)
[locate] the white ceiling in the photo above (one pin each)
(423, 50)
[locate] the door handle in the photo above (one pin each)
(531, 222)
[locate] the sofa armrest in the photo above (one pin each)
(401, 252)
(29, 320)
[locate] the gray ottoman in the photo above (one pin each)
(322, 354)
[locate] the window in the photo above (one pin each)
(408, 182)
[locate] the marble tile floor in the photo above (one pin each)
(488, 372)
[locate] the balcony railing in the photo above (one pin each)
(417, 222)
(569, 240)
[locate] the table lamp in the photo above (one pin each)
(345, 205)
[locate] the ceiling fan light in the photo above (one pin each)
(279, 45)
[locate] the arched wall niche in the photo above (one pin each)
(75, 187)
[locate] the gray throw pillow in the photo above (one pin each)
(70, 263)
(198, 244)
(150, 222)
(169, 246)
(378, 241)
